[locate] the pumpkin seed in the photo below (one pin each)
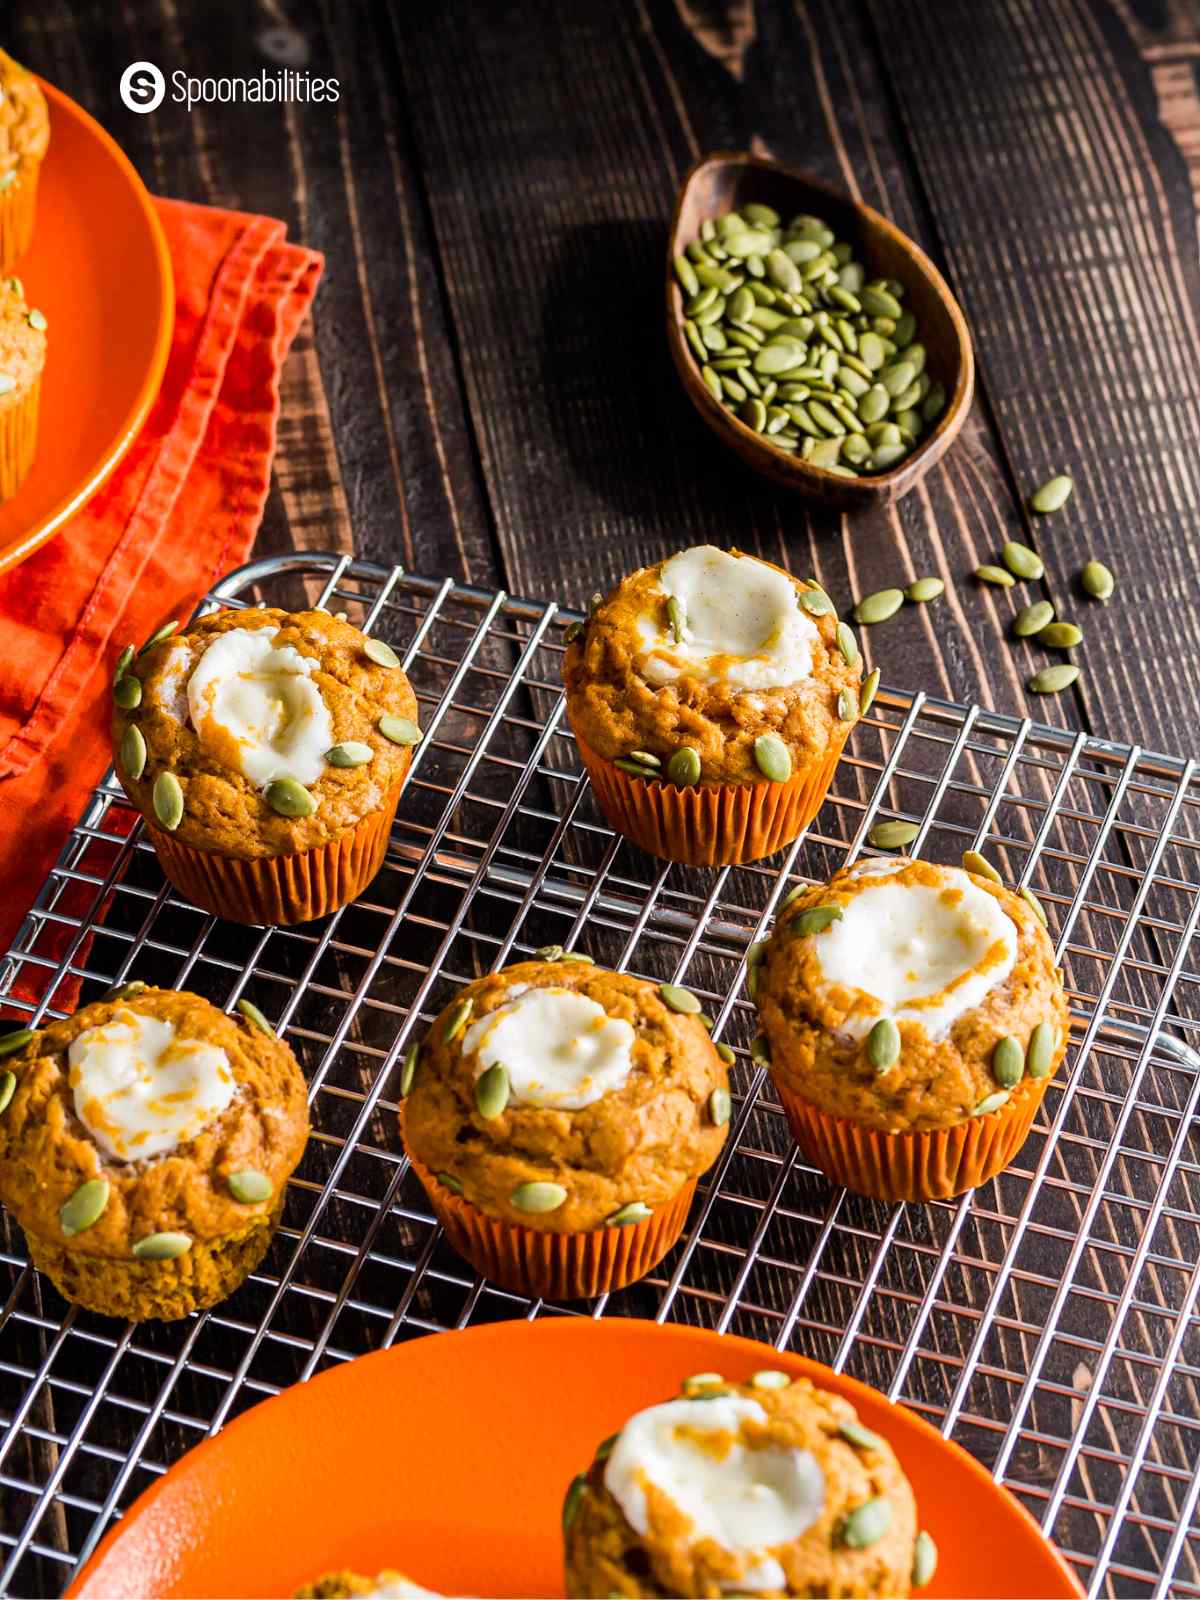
(925, 1559)
(1035, 905)
(683, 769)
(125, 991)
(133, 750)
(719, 1106)
(988, 573)
(250, 1188)
(7, 382)
(980, 866)
(289, 798)
(381, 653)
(924, 589)
(883, 1045)
(646, 758)
(770, 1379)
(456, 1021)
(723, 1050)
(861, 1438)
(127, 692)
(713, 382)
(760, 1050)
(449, 1181)
(870, 689)
(538, 1197)
(635, 1211)
(1023, 562)
(679, 999)
(1052, 495)
(349, 754)
(702, 1380)
(572, 1498)
(990, 1103)
(254, 1016)
(409, 1070)
(878, 607)
(37, 319)
(1033, 619)
(687, 278)
(1053, 680)
(573, 631)
(124, 660)
(1060, 636)
(754, 414)
(869, 1522)
(1097, 580)
(772, 757)
(10, 1043)
(847, 643)
(491, 1092)
(84, 1208)
(8, 1083)
(157, 637)
(1043, 1042)
(816, 602)
(167, 799)
(1008, 1062)
(815, 920)
(847, 705)
(636, 769)
(400, 730)
(892, 835)
(162, 1246)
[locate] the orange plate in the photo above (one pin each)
(99, 269)
(448, 1458)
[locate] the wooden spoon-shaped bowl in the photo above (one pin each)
(728, 180)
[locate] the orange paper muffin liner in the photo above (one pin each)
(931, 1164)
(710, 824)
(18, 440)
(279, 890)
(18, 206)
(555, 1266)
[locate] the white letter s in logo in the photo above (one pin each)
(142, 86)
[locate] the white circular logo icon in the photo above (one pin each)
(142, 86)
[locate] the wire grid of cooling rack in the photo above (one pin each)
(1046, 1322)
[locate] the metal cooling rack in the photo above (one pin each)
(1046, 1322)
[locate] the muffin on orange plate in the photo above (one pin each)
(145, 1144)
(558, 1116)
(913, 1016)
(265, 750)
(710, 696)
(22, 358)
(771, 1487)
(24, 140)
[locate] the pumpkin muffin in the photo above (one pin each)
(346, 1585)
(266, 751)
(24, 140)
(145, 1144)
(22, 358)
(559, 1116)
(914, 1016)
(771, 1487)
(710, 696)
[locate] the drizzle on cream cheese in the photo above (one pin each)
(560, 1049)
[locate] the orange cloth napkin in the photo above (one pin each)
(182, 508)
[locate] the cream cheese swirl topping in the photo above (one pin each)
(560, 1049)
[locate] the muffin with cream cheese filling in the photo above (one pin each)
(914, 1016)
(145, 1144)
(266, 751)
(22, 359)
(559, 1116)
(710, 696)
(348, 1585)
(771, 1487)
(24, 140)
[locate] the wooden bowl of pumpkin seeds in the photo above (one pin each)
(817, 340)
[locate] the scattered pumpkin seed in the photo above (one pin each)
(400, 730)
(250, 1188)
(127, 692)
(861, 1438)
(925, 1559)
(255, 1017)
(162, 1246)
(572, 1498)
(702, 1380)
(289, 798)
(883, 1045)
(409, 1070)
(769, 1378)
(760, 1050)
(167, 799)
(847, 643)
(125, 991)
(491, 1092)
(867, 1523)
(549, 952)
(646, 758)
(133, 750)
(1060, 636)
(878, 607)
(457, 1019)
(815, 920)
(159, 634)
(124, 660)
(847, 705)
(635, 769)
(84, 1208)
(772, 757)
(980, 866)
(719, 1107)
(538, 1197)
(680, 999)
(1035, 905)
(10, 1043)
(990, 1103)
(816, 602)
(1043, 1042)
(723, 1050)
(635, 1211)
(988, 573)
(1008, 1062)
(1033, 619)
(1053, 680)
(1052, 496)
(892, 835)
(7, 383)
(1097, 580)
(677, 617)
(1023, 562)
(924, 589)
(449, 1181)
(8, 1083)
(381, 653)
(683, 769)
(37, 319)
(870, 689)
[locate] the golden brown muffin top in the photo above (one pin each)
(47, 1152)
(758, 655)
(820, 1032)
(224, 809)
(647, 1134)
(24, 120)
(22, 343)
(845, 1467)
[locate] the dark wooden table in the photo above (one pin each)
(485, 390)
